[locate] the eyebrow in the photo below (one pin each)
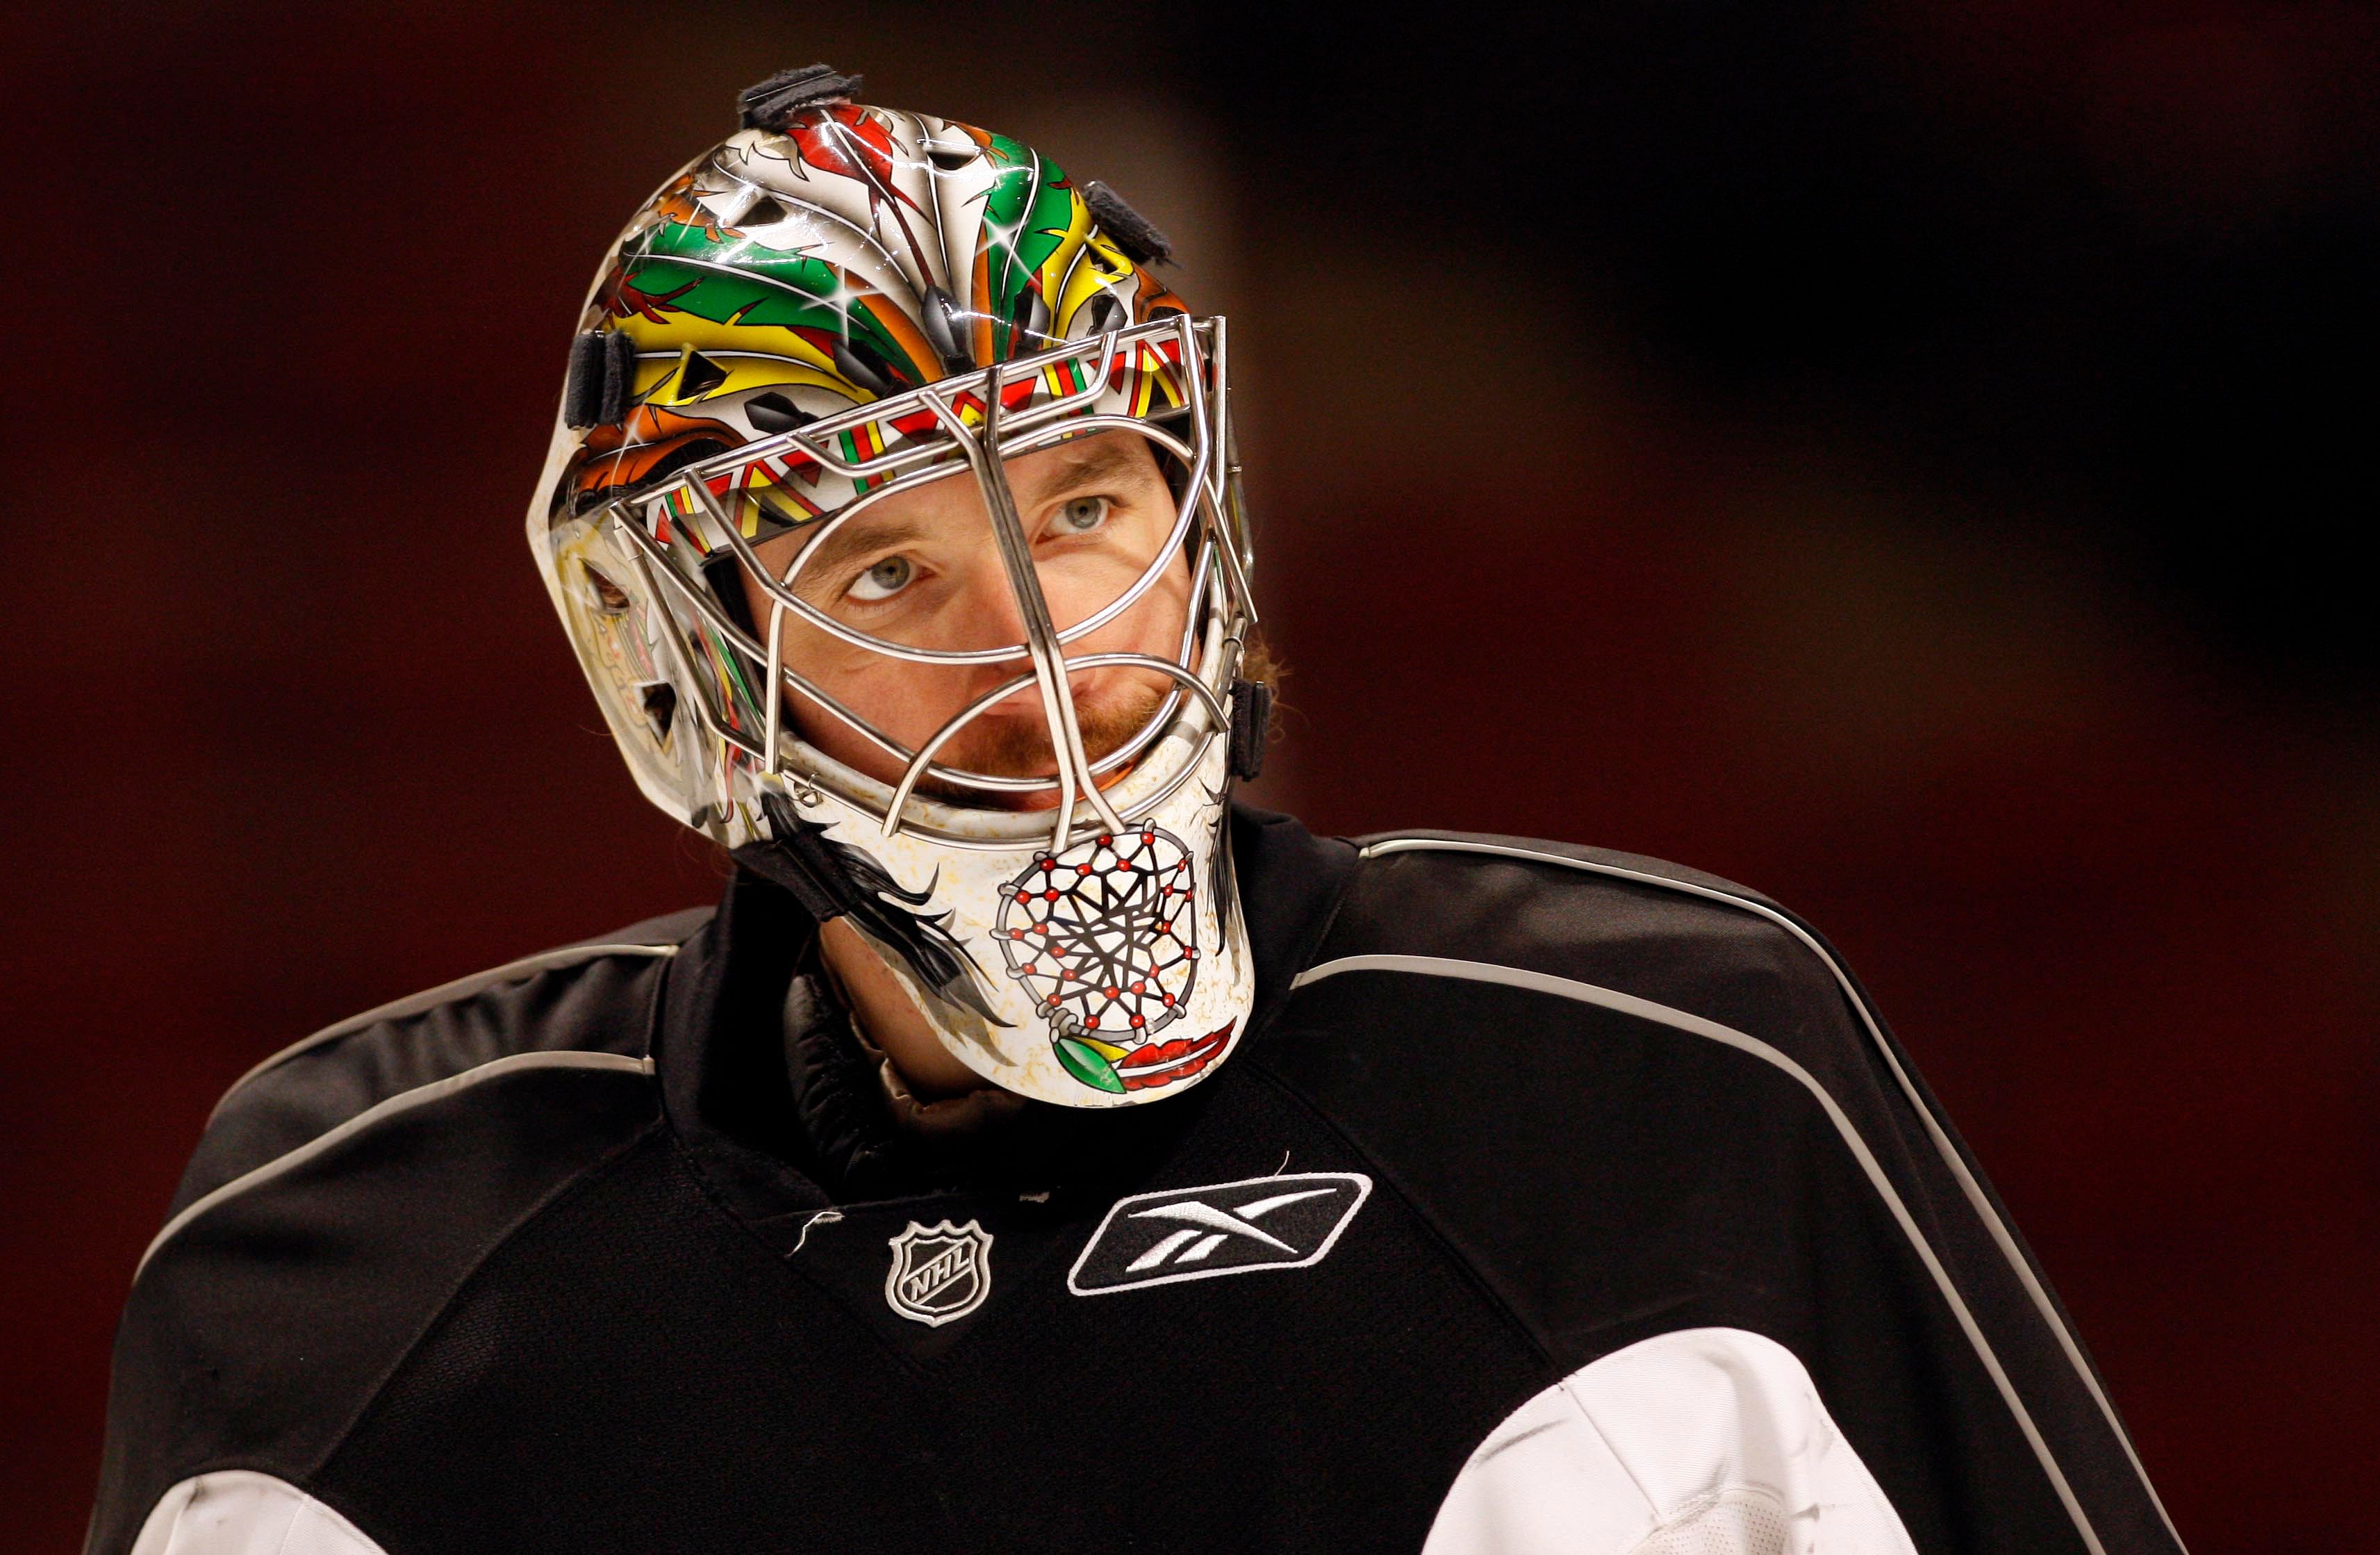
(852, 540)
(1084, 464)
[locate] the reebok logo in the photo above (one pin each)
(1223, 1228)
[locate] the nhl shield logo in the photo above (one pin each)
(940, 1273)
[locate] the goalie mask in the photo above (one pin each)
(844, 361)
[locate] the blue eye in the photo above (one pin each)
(1081, 516)
(884, 579)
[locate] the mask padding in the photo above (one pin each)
(1126, 227)
(582, 391)
(770, 105)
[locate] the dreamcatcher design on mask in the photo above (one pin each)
(1104, 937)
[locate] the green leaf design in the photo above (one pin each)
(1087, 1066)
(778, 294)
(1026, 213)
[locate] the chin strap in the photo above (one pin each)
(798, 857)
(834, 879)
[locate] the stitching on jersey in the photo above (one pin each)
(1489, 1290)
(561, 1193)
(1688, 1512)
(1644, 1492)
(1953, 1151)
(718, 1201)
(380, 1111)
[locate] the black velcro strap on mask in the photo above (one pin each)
(1126, 228)
(770, 105)
(1251, 721)
(603, 380)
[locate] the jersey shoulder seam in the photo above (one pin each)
(1635, 865)
(563, 958)
(403, 1101)
(1948, 1150)
(568, 1187)
(1738, 902)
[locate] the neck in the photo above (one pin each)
(886, 1011)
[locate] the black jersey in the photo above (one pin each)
(1556, 1200)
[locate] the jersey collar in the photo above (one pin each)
(766, 1087)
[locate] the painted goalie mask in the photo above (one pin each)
(842, 346)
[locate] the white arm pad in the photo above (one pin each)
(1707, 1442)
(237, 1512)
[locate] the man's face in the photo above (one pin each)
(922, 568)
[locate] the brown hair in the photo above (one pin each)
(1260, 662)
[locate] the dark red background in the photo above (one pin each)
(1899, 463)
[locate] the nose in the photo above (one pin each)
(990, 617)
(993, 618)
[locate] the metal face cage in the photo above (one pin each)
(1166, 382)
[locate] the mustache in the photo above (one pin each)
(1021, 748)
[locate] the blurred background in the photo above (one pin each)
(1899, 456)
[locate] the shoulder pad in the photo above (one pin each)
(595, 996)
(1642, 925)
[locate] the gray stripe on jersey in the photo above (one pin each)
(444, 994)
(1973, 1190)
(1645, 1009)
(403, 1101)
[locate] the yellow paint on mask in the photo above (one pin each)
(1099, 266)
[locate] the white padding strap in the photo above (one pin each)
(1711, 1442)
(239, 1511)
